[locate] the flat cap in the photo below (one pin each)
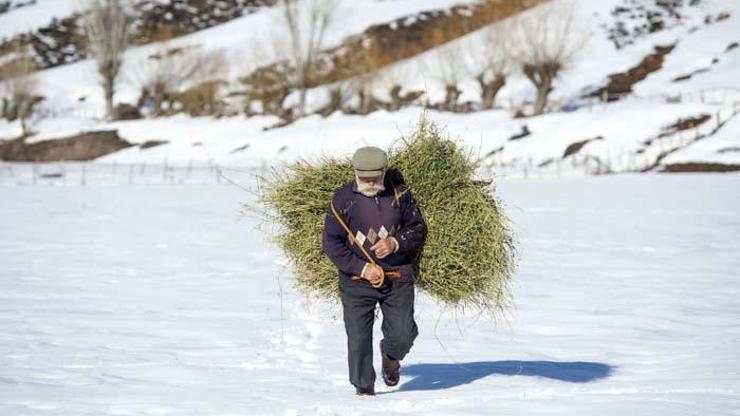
(369, 161)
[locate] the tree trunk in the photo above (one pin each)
(301, 101)
(543, 91)
(396, 100)
(451, 96)
(542, 76)
(109, 90)
(365, 104)
(489, 90)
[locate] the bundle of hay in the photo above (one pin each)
(468, 257)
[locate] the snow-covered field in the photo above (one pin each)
(151, 299)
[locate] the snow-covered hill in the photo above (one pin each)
(700, 76)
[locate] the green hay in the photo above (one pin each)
(468, 257)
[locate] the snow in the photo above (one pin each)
(154, 299)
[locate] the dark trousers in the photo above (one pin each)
(396, 301)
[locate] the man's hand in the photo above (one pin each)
(372, 272)
(384, 247)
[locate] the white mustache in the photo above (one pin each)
(368, 189)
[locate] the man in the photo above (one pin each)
(372, 232)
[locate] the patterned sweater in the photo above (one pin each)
(391, 212)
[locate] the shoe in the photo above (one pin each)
(391, 370)
(369, 391)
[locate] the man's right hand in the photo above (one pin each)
(373, 272)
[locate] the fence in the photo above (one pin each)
(114, 174)
(122, 174)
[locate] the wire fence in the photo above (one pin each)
(116, 174)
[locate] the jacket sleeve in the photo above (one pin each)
(334, 244)
(412, 233)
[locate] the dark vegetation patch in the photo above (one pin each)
(621, 83)
(576, 147)
(10, 5)
(688, 123)
(731, 149)
(524, 133)
(84, 146)
(700, 167)
(634, 19)
(152, 143)
(688, 76)
(241, 148)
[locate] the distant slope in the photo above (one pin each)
(699, 76)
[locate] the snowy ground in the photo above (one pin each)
(153, 299)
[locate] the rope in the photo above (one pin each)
(377, 283)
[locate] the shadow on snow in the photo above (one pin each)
(444, 376)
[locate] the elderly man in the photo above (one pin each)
(372, 232)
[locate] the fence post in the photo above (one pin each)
(84, 173)
(63, 169)
(131, 174)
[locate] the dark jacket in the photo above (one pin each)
(395, 211)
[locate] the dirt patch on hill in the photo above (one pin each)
(621, 83)
(576, 147)
(85, 146)
(700, 167)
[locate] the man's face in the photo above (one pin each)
(370, 185)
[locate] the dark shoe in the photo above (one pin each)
(391, 370)
(370, 391)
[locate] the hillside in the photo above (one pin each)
(642, 125)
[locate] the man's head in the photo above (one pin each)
(370, 164)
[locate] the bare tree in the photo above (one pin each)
(18, 89)
(549, 40)
(447, 68)
(307, 22)
(165, 73)
(106, 26)
(490, 58)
